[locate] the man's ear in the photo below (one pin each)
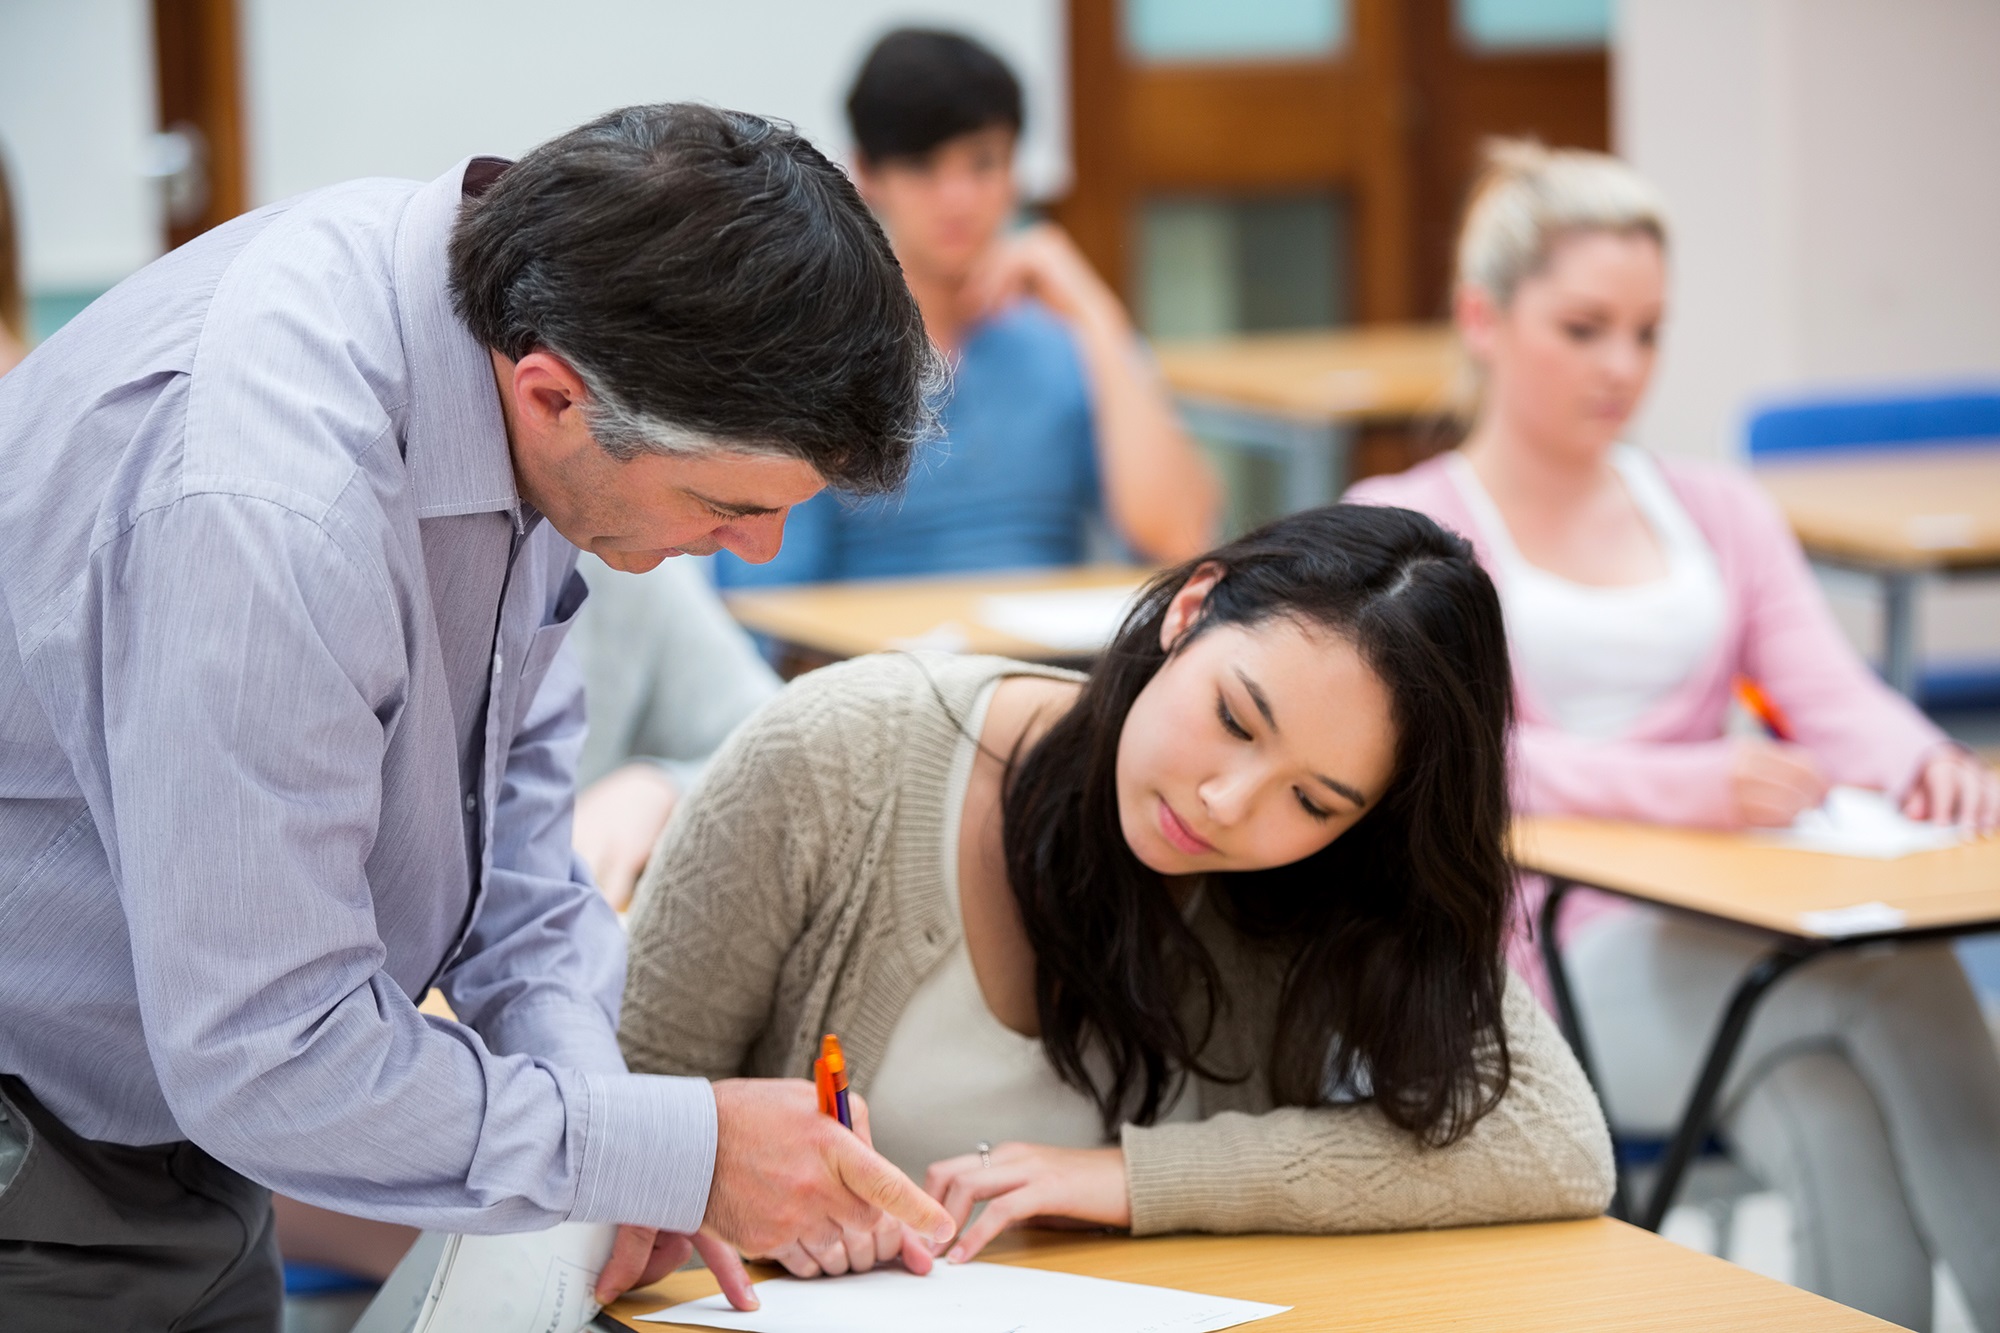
(1185, 608)
(546, 390)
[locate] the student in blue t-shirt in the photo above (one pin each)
(1056, 416)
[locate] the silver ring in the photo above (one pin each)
(985, 1151)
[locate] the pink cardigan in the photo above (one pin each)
(1674, 767)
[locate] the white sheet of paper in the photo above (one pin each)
(1854, 822)
(1070, 620)
(1860, 919)
(969, 1298)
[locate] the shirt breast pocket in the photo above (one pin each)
(548, 640)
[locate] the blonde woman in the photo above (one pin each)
(1635, 590)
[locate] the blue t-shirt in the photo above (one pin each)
(1013, 484)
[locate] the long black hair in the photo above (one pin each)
(1389, 939)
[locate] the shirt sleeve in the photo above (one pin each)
(254, 663)
(706, 676)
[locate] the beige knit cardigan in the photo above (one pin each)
(801, 891)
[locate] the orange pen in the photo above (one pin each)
(830, 1080)
(1760, 706)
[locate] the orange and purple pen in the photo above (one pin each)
(830, 1080)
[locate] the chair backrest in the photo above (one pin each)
(1818, 425)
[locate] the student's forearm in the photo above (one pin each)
(1159, 491)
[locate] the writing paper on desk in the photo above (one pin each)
(1069, 620)
(1854, 822)
(969, 1298)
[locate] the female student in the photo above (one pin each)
(1636, 591)
(1210, 939)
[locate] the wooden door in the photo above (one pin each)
(199, 81)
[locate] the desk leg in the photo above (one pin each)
(1699, 1116)
(1899, 632)
(1571, 1024)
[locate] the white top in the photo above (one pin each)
(1598, 659)
(952, 1074)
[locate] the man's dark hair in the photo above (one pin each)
(713, 279)
(920, 87)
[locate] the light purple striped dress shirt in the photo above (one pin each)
(286, 737)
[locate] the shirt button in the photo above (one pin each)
(471, 804)
(496, 664)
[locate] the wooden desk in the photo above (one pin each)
(850, 619)
(1299, 395)
(1740, 880)
(1899, 516)
(1552, 1277)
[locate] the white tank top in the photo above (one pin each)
(1600, 658)
(952, 1074)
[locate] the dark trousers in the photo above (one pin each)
(108, 1238)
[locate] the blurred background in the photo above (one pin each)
(1230, 168)
(1233, 169)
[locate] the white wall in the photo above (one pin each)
(1832, 171)
(1832, 168)
(407, 87)
(76, 107)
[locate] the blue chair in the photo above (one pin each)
(1942, 417)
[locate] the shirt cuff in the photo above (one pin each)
(648, 1151)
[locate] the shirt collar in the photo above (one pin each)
(456, 443)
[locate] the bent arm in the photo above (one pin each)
(253, 669)
(1542, 1153)
(1159, 492)
(1655, 782)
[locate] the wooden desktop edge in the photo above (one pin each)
(1557, 1276)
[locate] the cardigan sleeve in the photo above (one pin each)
(1542, 1153)
(727, 893)
(1862, 732)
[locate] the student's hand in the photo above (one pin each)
(1773, 783)
(618, 819)
(642, 1256)
(1027, 1182)
(791, 1184)
(860, 1251)
(1955, 788)
(1044, 263)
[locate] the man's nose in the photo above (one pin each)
(756, 538)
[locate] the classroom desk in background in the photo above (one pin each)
(1899, 516)
(1553, 1277)
(838, 620)
(1300, 396)
(1806, 902)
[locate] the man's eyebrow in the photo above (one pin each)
(1258, 698)
(737, 510)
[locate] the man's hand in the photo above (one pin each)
(1026, 1182)
(618, 819)
(1773, 783)
(1955, 788)
(791, 1184)
(642, 1256)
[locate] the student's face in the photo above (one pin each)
(944, 208)
(1569, 360)
(1252, 747)
(635, 514)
